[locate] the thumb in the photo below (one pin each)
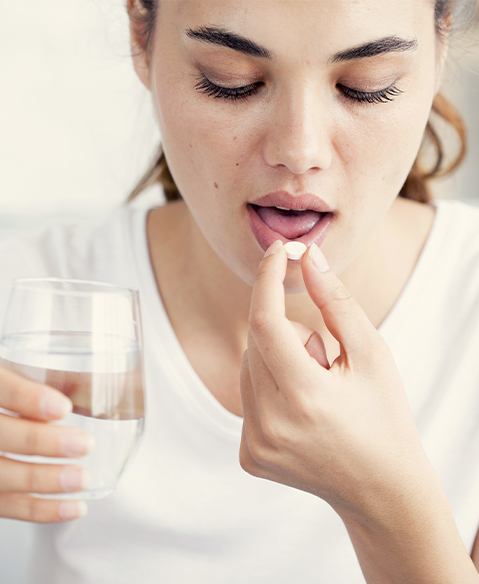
(342, 314)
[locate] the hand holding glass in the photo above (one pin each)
(84, 339)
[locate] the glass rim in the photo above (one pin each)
(113, 288)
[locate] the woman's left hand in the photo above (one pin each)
(345, 431)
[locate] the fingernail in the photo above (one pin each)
(74, 479)
(273, 248)
(72, 510)
(76, 444)
(55, 405)
(318, 258)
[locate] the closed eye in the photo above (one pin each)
(204, 85)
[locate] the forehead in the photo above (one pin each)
(313, 29)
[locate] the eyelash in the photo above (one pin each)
(243, 93)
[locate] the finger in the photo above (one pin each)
(258, 407)
(275, 336)
(246, 460)
(251, 423)
(30, 399)
(28, 437)
(28, 508)
(252, 434)
(24, 477)
(261, 377)
(342, 315)
(271, 402)
(246, 389)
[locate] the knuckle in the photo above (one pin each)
(17, 387)
(271, 433)
(248, 463)
(259, 322)
(260, 453)
(340, 293)
(252, 448)
(378, 348)
(32, 439)
(371, 353)
(262, 270)
(34, 510)
(39, 510)
(13, 392)
(33, 478)
(245, 460)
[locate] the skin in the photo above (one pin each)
(298, 133)
(313, 356)
(344, 431)
(322, 401)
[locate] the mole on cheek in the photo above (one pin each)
(216, 185)
(237, 164)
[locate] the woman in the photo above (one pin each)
(360, 391)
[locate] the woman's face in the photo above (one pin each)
(303, 128)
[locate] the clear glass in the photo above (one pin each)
(85, 339)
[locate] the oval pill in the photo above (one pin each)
(295, 250)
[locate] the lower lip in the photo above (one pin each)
(266, 236)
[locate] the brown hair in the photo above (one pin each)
(416, 187)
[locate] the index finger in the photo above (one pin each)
(30, 399)
(275, 336)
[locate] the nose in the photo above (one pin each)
(298, 137)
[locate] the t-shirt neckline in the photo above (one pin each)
(193, 387)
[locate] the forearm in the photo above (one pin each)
(411, 540)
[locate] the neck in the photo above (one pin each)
(213, 299)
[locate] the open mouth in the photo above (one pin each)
(270, 223)
(291, 224)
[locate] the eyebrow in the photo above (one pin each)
(217, 35)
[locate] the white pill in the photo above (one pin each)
(295, 250)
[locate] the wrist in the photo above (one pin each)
(410, 536)
(395, 489)
(381, 506)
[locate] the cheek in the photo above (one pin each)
(381, 146)
(203, 141)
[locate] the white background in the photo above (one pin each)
(77, 127)
(77, 131)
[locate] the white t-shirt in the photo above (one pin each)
(184, 510)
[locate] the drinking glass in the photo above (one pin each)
(85, 339)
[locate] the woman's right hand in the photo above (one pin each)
(28, 432)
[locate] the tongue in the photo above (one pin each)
(289, 224)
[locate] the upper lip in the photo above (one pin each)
(294, 202)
